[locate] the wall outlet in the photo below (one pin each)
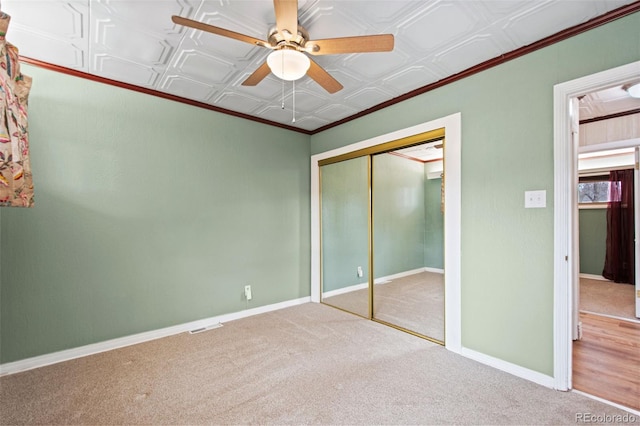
(360, 273)
(247, 292)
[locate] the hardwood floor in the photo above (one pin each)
(606, 362)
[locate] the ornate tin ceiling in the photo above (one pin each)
(135, 42)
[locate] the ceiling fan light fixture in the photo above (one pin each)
(288, 64)
(634, 90)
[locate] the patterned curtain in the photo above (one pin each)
(16, 184)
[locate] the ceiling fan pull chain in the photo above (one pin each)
(293, 98)
(282, 57)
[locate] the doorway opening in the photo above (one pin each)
(608, 327)
(567, 315)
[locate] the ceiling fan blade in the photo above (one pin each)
(217, 30)
(258, 75)
(323, 78)
(286, 17)
(357, 44)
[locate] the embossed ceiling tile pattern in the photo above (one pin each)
(438, 25)
(306, 100)
(544, 19)
(497, 14)
(139, 51)
(135, 41)
(124, 41)
(204, 68)
(186, 88)
(474, 50)
(253, 18)
(608, 101)
(62, 20)
(310, 122)
(238, 102)
(57, 51)
(375, 65)
(388, 12)
(368, 97)
(133, 72)
(213, 44)
(247, 17)
(157, 19)
(499, 9)
(276, 113)
(270, 88)
(328, 20)
(335, 112)
(412, 78)
(57, 33)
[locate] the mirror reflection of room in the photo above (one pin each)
(345, 235)
(408, 234)
(383, 213)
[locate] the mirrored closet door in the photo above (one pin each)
(382, 234)
(408, 236)
(345, 235)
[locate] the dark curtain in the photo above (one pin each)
(619, 263)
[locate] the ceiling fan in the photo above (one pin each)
(290, 41)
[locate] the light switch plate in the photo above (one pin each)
(535, 199)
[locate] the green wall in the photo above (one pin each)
(507, 149)
(434, 226)
(398, 215)
(149, 213)
(593, 240)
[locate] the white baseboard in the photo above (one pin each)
(69, 354)
(382, 280)
(593, 277)
(516, 370)
(344, 290)
(604, 401)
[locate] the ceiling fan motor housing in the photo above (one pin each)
(278, 40)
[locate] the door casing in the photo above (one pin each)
(565, 170)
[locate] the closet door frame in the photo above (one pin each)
(452, 170)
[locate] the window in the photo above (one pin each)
(597, 190)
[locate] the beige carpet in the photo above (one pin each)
(356, 301)
(414, 302)
(310, 364)
(609, 298)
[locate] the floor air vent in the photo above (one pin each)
(202, 329)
